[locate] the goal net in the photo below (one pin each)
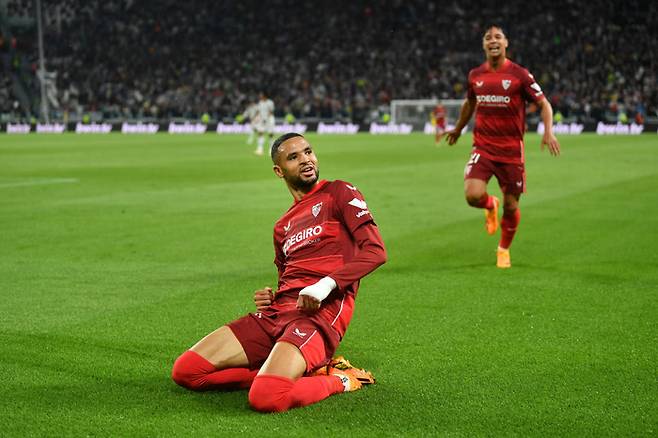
(416, 112)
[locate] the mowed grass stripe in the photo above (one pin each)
(106, 281)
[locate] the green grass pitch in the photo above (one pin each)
(120, 252)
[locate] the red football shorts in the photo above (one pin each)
(510, 176)
(258, 332)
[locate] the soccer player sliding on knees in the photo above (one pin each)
(324, 244)
(497, 93)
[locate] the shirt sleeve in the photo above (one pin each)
(370, 256)
(350, 206)
(353, 210)
(470, 92)
(279, 258)
(532, 92)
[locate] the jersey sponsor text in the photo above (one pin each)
(301, 236)
(492, 98)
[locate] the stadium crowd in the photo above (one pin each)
(339, 59)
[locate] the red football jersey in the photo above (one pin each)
(325, 233)
(439, 114)
(500, 98)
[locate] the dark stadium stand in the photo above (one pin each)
(339, 59)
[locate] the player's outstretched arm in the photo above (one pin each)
(548, 138)
(468, 107)
(263, 298)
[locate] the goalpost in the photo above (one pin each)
(416, 112)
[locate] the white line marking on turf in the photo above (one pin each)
(39, 182)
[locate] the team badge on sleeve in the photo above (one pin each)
(535, 86)
(348, 199)
(358, 203)
(361, 205)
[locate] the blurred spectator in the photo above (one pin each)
(340, 58)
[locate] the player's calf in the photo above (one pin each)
(195, 373)
(271, 393)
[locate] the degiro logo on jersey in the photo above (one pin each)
(492, 98)
(302, 236)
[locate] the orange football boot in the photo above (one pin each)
(491, 217)
(503, 259)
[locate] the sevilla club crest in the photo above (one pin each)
(316, 209)
(506, 83)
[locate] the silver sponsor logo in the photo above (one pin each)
(301, 236)
(492, 98)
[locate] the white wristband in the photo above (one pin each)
(319, 290)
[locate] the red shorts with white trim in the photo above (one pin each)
(510, 176)
(258, 332)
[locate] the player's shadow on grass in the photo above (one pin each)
(56, 372)
(135, 397)
(210, 402)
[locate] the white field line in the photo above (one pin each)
(38, 182)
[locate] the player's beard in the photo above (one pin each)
(305, 184)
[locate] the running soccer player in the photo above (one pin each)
(250, 115)
(497, 92)
(324, 244)
(264, 122)
(438, 118)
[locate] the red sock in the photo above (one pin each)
(508, 226)
(194, 372)
(277, 394)
(487, 201)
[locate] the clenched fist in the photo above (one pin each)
(263, 298)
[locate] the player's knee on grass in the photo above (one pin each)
(270, 394)
(188, 371)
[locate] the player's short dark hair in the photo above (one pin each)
(494, 24)
(279, 141)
